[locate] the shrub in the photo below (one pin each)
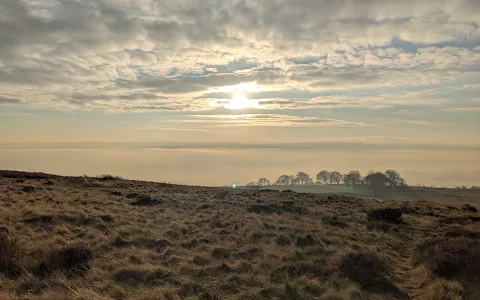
(39, 219)
(108, 177)
(204, 206)
(145, 200)
(244, 267)
(333, 221)
(24, 175)
(283, 240)
(305, 241)
(10, 252)
(365, 268)
(469, 208)
(220, 253)
(200, 261)
(107, 218)
(262, 209)
(450, 257)
(28, 188)
(390, 215)
(190, 289)
(73, 260)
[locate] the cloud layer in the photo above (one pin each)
(307, 63)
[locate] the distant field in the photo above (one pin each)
(438, 195)
(106, 238)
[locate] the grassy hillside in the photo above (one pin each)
(438, 195)
(108, 238)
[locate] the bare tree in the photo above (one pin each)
(323, 176)
(284, 180)
(336, 177)
(353, 178)
(292, 179)
(303, 178)
(394, 178)
(263, 182)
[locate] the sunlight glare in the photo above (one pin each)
(240, 101)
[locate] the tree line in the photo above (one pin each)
(374, 179)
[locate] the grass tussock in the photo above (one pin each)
(443, 289)
(135, 276)
(72, 260)
(10, 254)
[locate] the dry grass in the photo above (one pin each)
(451, 257)
(109, 238)
(443, 290)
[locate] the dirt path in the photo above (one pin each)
(412, 233)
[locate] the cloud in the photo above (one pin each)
(463, 109)
(325, 146)
(267, 120)
(156, 127)
(126, 55)
(6, 100)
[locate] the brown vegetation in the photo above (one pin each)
(109, 238)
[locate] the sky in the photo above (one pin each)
(212, 92)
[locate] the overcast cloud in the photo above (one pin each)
(121, 55)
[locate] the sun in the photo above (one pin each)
(240, 100)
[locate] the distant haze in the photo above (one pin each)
(204, 164)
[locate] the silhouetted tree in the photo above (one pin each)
(263, 182)
(284, 180)
(353, 178)
(377, 182)
(335, 177)
(323, 176)
(394, 178)
(292, 179)
(303, 178)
